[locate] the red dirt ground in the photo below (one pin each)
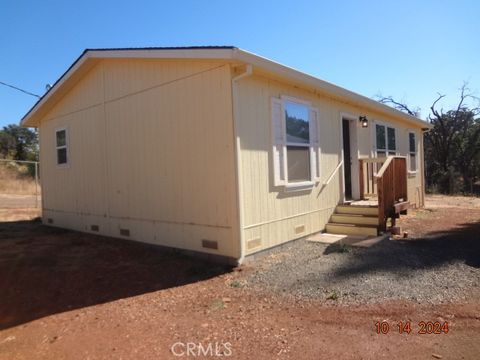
(66, 295)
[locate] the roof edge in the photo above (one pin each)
(194, 52)
(330, 88)
(226, 53)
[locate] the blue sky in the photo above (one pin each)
(408, 49)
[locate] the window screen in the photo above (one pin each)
(298, 160)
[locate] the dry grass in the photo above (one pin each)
(19, 214)
(16, 180)
(451, 201)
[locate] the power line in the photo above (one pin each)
(24, 91)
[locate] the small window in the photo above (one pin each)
(385, 140)
(392, 147)
(412, 151)
(61, 147)
(381, 141)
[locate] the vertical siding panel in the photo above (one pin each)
(276, 209)
(170, 153)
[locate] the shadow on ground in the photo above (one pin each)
(461, 244)
(47, 270)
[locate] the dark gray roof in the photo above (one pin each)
(165, 48)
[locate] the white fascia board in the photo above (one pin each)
(355, 99)
(79, 63)
(222, 54)
(228, 54)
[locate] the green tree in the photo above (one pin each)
(7, 145)
(18, 143)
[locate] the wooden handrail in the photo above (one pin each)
(367, 172)
(333, 173)
(392, 188)
(388, 184)
(386, 163)
(374, 160)
(384, 167)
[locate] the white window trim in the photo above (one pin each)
(410, 172)
(299, 186)
(66, 146)
(303, 185)
(386, 125)
(296, 100)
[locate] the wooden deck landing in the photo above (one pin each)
(366, 202)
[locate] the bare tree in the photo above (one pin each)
(452, 147)
(402, 106)
(453, 143)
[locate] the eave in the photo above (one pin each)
(91, 56)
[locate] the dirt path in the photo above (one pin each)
(147, 326)
(66, 295)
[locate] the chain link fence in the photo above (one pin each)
(19, 184)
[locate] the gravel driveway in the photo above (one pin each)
(440, 264)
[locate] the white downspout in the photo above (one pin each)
(238, 162)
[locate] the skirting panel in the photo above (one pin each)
(182, 236)
(280, 231)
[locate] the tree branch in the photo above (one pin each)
(435, 112)
(389, 100)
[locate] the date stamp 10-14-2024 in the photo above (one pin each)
(406, 327)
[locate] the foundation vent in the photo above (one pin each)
(210, 244)
(254, 243)
(299, 229)
(49, 221)
(94, 228)
(124, 232)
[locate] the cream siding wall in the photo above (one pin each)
(151, 150)
(272, 215)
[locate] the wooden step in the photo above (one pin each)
(351, 229)
(352, 209)
(355, 219)
(401, 206)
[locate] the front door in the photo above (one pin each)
(347, 160)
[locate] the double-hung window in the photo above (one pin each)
(295, 136)
(412, 151)
(385, 140)
(61, 146)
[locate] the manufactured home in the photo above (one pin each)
(219, 151)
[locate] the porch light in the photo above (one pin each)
(364, 121)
